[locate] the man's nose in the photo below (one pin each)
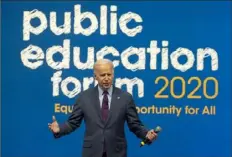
(106, 77)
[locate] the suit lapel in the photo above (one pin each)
(113, 105)
(97, 102)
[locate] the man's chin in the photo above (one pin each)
(106, 87)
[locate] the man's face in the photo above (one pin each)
(104, 74)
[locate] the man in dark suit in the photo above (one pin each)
(105, 109)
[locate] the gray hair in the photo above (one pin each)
(102, 61)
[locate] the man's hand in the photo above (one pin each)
(151, 135)
(54, 126)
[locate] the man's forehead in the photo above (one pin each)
(105, 71)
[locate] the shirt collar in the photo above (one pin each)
(100, 91)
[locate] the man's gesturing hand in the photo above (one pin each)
(151, 135)
(54, 126)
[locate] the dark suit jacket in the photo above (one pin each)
(87, 107)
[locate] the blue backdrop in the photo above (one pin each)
(27, 103)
